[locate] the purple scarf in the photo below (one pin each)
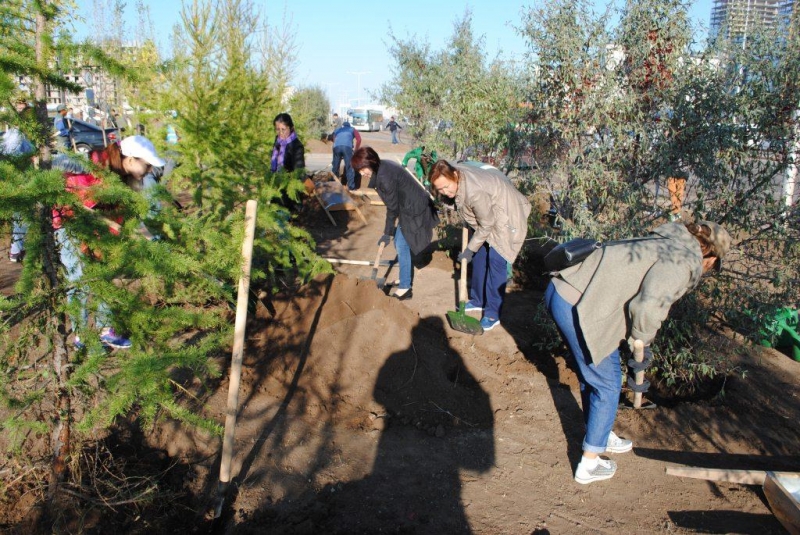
(279, 151)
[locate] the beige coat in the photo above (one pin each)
(490, 204)
(629, 287)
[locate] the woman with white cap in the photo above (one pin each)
(132, 160)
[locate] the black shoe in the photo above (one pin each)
(406, 296)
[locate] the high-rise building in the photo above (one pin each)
(737, 17)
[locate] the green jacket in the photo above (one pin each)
(629, 287)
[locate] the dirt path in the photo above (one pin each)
(363, 414)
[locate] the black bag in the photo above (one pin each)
(570, 253)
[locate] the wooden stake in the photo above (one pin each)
(238, 350)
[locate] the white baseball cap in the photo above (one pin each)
(141, 147)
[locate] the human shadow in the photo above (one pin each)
(529, 326)
(436, 422)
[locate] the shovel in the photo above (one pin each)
(379, 281)
(458, 319)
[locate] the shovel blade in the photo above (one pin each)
(459, 321)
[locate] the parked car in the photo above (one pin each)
(86, 137)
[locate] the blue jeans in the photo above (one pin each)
(18, 230)
(404, 259)
(347, 154)
(395, 141)
(73, 265)
(489, 278)
(600, 383)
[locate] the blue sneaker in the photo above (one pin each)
(109, 338)
(471, 307)
(489, 323)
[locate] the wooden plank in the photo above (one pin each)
(745, 477)
(782, 490)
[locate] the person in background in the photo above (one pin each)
(422, 163)
(410, 214)
(336, 122)
(393, 128)
(13, 143)
(61, 127)
(623, 292)
(490, 204)
(287, 152)
(172, 135)
(343, 139)
(131, 160)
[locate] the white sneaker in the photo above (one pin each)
(618, 445)
(605, 469)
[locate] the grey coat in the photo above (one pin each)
(490, 204)
(629, 287)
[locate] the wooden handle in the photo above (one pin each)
(378, 256)
(638, 356)
(238, 343)
(462, 284)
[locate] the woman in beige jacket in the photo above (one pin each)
(498, 213)
(623, 292)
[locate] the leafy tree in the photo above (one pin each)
(172, 296)
(628, 106)
(309, 107)
(460, 119)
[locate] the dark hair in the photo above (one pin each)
(366, 157)
(443, 168)
(286, 119)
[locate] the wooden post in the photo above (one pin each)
(236, 354)
(638, 356)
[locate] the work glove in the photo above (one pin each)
(648, 354)
(466, 255)
(385, 239)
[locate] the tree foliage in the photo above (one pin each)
(171, 296)
(630, 106)
(457, 119)
(309, 108)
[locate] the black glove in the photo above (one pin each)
(648, 355)
(467, 255)
(385, 239)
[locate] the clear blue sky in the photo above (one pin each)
(337, 39)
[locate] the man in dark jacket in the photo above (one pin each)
(393, 127)
(343, 139)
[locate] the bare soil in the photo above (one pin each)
(360, 413)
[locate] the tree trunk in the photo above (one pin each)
(62, 415)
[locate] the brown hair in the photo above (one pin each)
(443, 168)
(366, 157)
(702, 232)
(111, 157)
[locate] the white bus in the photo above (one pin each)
(365, 120)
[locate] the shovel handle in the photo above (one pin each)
(638, 356)
(462, 283)
(378, 256)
